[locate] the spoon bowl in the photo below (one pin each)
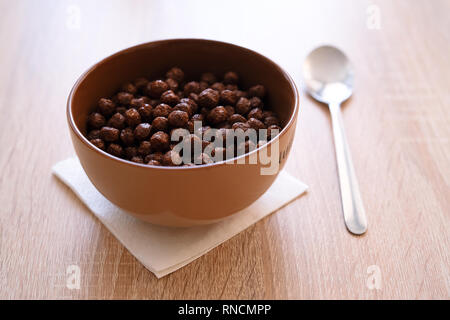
(328, 75)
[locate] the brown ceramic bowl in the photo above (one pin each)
(180, 196)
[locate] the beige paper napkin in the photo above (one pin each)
(163, 250)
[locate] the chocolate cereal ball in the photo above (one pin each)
(106, 107)
(162, 110)
(173, 84)
(270, 121)
(109, 134)
(121, 109)
(156, 88)
(191, 103)
(153, 163)
(142, 131)
(137, 159)
(240, 125)
(160, 124)
(96, 120)
(217, 115)
(204, 111)
(191, 87)
(99, 143)
(268, 113)
(140, 83)
(255, 124)
(208, 98)
(218, 86)
(115, 149)
(193, 96)
(137, 102)
(178, 119)
(190, 126)
(160, 141)
(117, 121)
(176, 74)
(155, 156)
(144, 148)
(236, 118)
(230, 77)
(257, 91)
(146, 112)
(224, 125)
(124, 98)
(208, 77)
(203, 85)
(127, 136)
(230, 110)
(255, 113)
(132, 117)
(170, 98)
(243, 106)
(93, 134)
(129, 88)
(130, 152)
(228, 97)
(240, 94)
(256, 102)
(183, 106)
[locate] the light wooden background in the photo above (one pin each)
(397, 124)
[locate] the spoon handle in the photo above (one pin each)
(352, 205)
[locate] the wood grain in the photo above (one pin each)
(397, 124)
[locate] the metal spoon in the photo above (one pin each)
(329, 79)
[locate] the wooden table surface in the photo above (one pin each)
(397, 125)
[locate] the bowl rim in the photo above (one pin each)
(86, 142)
